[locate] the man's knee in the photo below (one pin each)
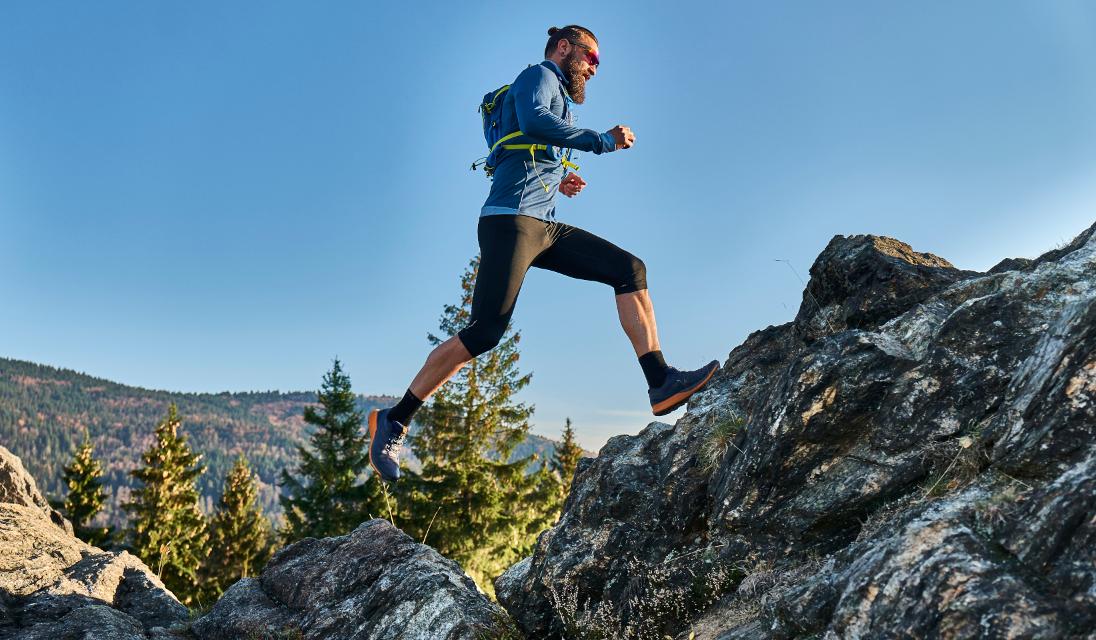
(479, 337)
(634, 276)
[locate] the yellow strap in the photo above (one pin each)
(532, 154)
(487, 107)
(533, 148)
(509, 136)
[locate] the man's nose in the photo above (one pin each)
(593, 69)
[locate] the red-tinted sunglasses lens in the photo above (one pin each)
(592, 58)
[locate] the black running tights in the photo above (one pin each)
(510, 244)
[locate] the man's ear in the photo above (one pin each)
(563, 47)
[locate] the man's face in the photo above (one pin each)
(577, 68)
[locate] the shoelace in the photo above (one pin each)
(392, 447)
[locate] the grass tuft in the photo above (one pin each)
(719, 441)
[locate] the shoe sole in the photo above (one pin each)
(673, 402)
(372, 432)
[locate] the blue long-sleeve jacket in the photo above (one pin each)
(537, 104)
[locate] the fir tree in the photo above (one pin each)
(85, 496)
(566, 456)
(330, 493)
(167, 528)
(470, 502)
(239, 533)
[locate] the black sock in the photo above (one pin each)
(406, 408)
(654, 368)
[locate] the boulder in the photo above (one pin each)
(53, 585)
(18, 487)
(909, 457)
(375, 582)
(860, 282)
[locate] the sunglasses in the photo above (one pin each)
(592, 57)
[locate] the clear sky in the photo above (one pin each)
(209, 196)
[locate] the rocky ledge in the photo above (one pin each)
(375, 583)
(54, 586)
(913, 456)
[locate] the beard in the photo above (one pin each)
(576, 81)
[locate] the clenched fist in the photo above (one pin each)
(571, 185)
(623, 136)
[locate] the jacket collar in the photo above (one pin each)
(559, 74)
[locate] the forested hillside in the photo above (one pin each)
(44, 411)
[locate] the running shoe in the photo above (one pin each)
(679, 386)
(385, 440)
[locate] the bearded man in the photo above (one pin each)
(518, 229)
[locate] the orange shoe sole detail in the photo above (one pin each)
(680, 398)
(372, 433)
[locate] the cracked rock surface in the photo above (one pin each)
(54, 586)
(913, 456)
(375, 582)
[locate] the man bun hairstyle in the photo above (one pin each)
(570, 33)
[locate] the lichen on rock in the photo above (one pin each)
(914, 455)
(916, 460)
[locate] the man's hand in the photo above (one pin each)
(623, 136)
(571, 185)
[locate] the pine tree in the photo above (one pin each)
(470, 502)
(85, 494)
(167, 528)
(330, 493)
(239, 533)
(566, 456)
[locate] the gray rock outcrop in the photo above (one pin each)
(860, 282)
(18, 487)
(54, 586)
(913, 456)
(375, 582)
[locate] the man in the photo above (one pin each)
(517, 229)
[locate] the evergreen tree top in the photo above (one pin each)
(327, 494)
(170, 451)
(85, 493)
(167, 528)
(567, 454)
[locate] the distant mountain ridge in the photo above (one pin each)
(44, 411)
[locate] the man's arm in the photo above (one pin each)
(533, 99)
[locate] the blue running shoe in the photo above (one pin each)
(385, 440)
(679, 386)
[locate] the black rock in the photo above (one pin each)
(913, 456)
(860, 282)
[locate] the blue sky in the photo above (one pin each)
(211, 196)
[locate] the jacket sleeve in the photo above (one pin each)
(533, 91)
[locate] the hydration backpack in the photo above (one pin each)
(491, 113)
